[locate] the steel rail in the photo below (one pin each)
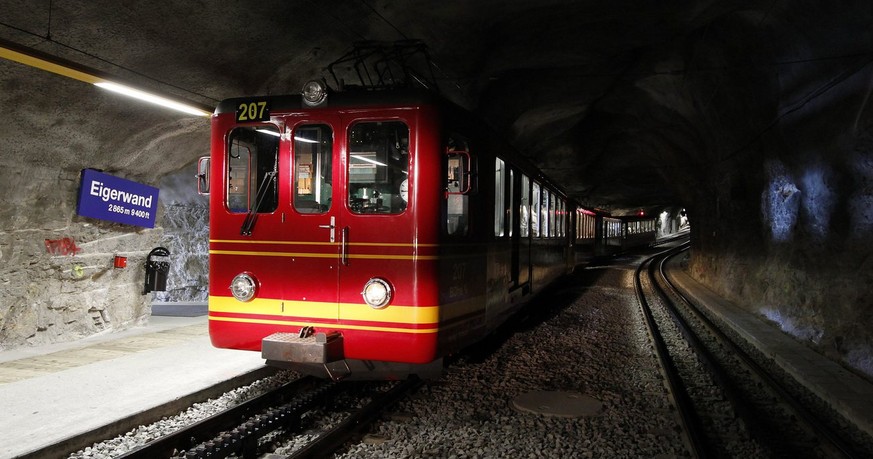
(240, 438)
(332, 440)
(695, 437)
(813, 423)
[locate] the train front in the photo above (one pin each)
(316, 255)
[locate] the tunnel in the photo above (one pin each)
(748, 118)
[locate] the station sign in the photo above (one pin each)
(115, 199)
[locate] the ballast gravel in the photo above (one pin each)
(140, 436)
(592, 342)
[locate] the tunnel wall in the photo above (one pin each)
(57, 268)
(786, 232)
(186, 234)
(57, 277)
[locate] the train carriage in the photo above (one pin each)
(639, 231)
(370, 234)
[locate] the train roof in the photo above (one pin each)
(344, 99)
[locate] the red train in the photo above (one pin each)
(370, 234)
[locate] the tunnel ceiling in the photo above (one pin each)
(622, 102)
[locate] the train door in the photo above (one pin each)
(375, 231)
(311, 228)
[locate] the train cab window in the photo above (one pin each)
(313, 154)
(524, 208)
(252, 166)
(378, 167)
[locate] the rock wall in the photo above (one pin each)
(786, 233)
(186, 234)
(57, 269)
(671, 221)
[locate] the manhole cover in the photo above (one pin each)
(559, 404)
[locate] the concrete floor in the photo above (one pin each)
(53, 392)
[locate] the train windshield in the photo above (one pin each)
(313, 154)
(378, 167)
(252, 165)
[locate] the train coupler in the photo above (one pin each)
(306, 347)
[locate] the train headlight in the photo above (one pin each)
(243, 287)
(377, 293)
(314, 93)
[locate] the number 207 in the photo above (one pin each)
(252, 111)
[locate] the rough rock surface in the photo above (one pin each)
(57, 270)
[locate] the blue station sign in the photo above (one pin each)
(115, 199)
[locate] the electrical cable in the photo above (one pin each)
(383, 18)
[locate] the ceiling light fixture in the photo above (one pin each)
(43, 61)
(148, 97)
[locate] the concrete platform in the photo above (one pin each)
(50, 393)
(847, 393)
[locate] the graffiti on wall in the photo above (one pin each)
(64, 246)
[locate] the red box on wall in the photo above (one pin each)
(120, 262)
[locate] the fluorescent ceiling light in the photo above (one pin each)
(304, 140)
(37, 59)
(148, 97)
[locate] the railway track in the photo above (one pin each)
(254, 427)
(728, 403)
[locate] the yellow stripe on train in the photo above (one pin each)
(332, 326)
(326, 311)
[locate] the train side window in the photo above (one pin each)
(511, 197)
(524, 207)
(459, 175)
(544, 214)
(553, 226)
(313, 158)
(535, 211)
(378, 167)
(555, 216)
(585, 225)
(457, 199)
(460, 182)
(580, 224)
(252, 166)
(499, 197)
(560, 217)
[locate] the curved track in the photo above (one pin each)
(760, 412)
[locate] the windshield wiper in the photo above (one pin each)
(249, 223)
